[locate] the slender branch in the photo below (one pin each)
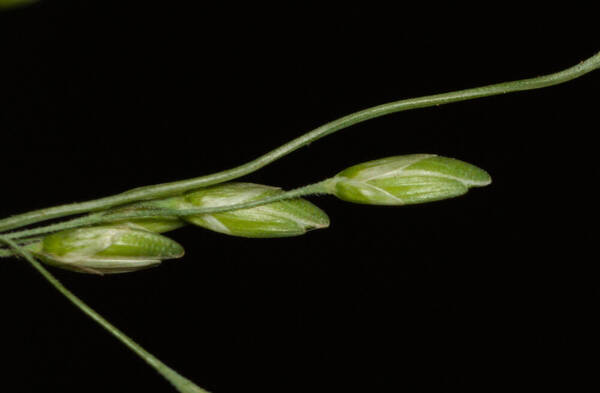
(180, 383)
(316, 188)
(174, 188)
(74, 223)
(8, 252)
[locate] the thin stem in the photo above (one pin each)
(180, 383)
(174, 188)
(8, 252)
(74, 223)
(311, 189)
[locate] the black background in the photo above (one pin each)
(496, 289)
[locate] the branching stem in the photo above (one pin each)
(94, 219)
(178, 187)
(180, 383)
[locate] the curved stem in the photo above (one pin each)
(168, 189)
(180, 383)
(311, 189)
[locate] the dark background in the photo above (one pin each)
(496, 289)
